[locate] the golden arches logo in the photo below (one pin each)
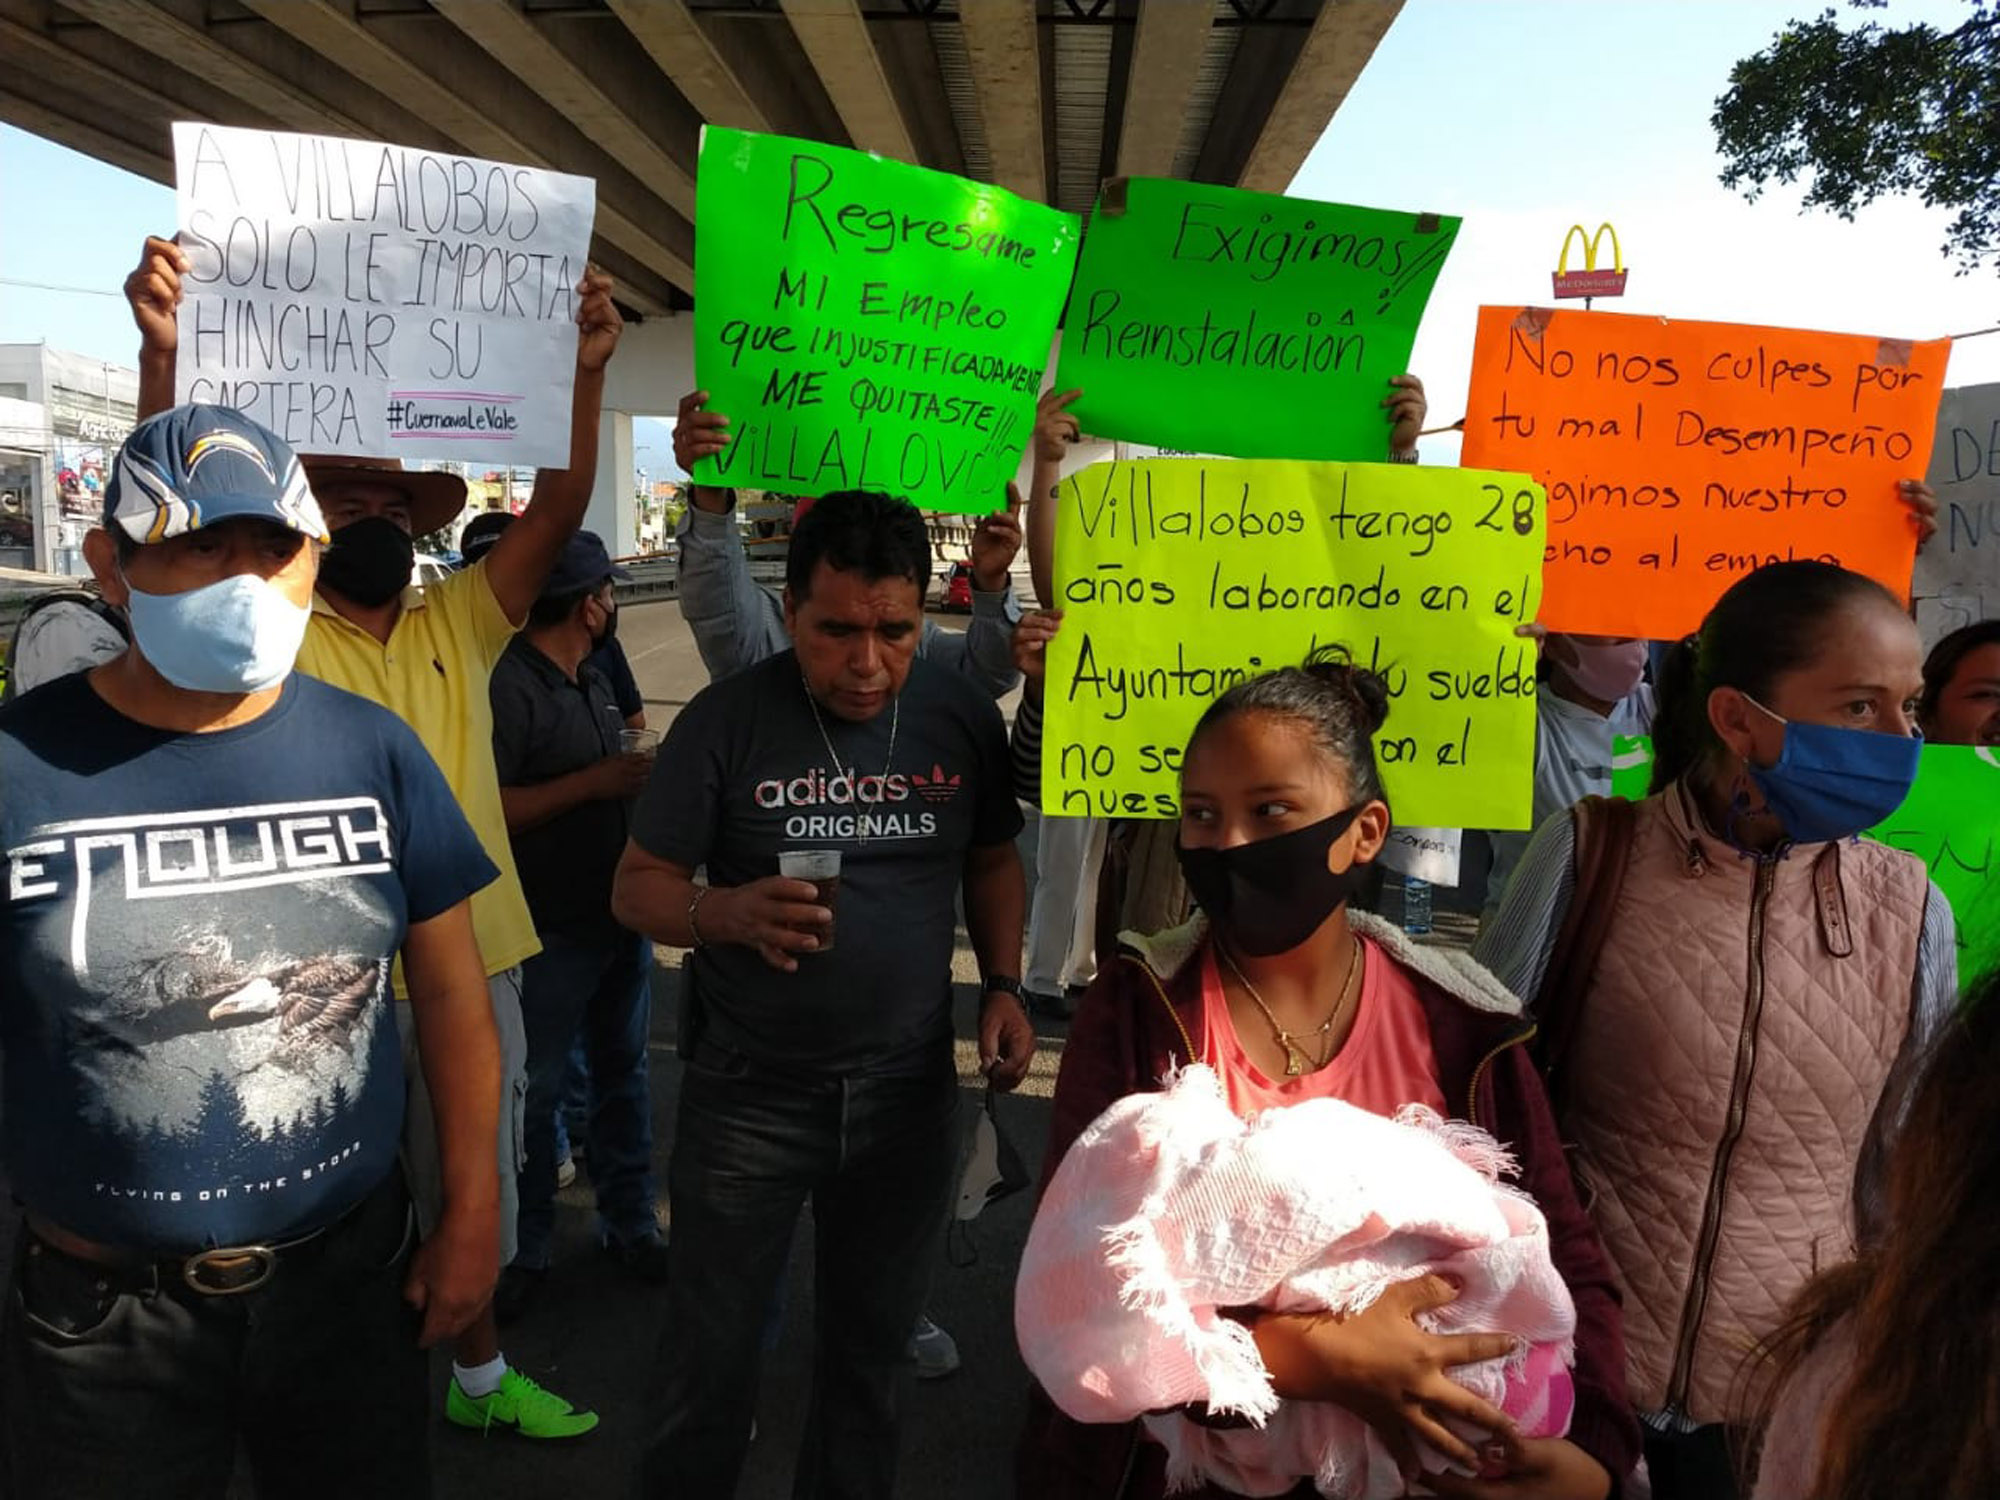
(1590, 282)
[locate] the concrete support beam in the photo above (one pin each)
(64, 69)
(159, 34)
(1004, 51)
(674, 40)
(79, 135)
(835, 38)
(1168, 45)
(519, 45)
(1336, 50)
(331, 31)
(613, 512)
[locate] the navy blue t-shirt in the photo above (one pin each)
(200, 1047)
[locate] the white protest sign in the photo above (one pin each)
(369, 299)
(1958, 571)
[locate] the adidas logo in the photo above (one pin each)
(936, 787)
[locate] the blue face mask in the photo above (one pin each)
(1830, 783)
(238, 635)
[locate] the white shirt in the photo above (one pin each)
(1572, 761)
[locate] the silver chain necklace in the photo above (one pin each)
(853, 773)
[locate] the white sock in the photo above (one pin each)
(480, 1380)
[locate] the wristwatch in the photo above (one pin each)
(1006, 984)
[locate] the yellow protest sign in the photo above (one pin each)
(1180, 577)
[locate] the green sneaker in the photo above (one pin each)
(519, 1406)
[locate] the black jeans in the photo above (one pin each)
(126, 1385)
(876, 1156)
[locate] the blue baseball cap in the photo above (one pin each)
(196, 465)
(583, 566)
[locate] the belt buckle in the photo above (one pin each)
(265, 1266)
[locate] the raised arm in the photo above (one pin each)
(520, 560)
(1055, 431)
(735, 622)
(153, 292)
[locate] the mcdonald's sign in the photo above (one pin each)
(1590, 282)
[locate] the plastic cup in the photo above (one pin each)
(822, 868)
(638, 741)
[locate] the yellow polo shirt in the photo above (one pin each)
(433, 674)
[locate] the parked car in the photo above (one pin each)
(428, 568)
(957, 589)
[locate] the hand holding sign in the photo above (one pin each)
(598, 322)
(154, 292)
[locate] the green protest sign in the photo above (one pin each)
(1220, 321)
(1631, 766)
(1951, 821)
(870, 325)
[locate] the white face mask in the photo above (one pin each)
(237, 635)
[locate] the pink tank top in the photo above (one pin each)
(1387, 1062)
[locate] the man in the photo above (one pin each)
(737, 623)
(428, 656)
(822, 1074)
(566, 786)
(212, 861)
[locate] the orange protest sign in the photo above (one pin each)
(1679, 456)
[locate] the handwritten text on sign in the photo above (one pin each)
(1680, 456)
(1181, 577)
(870, 325)
(1959, 572)
(1951, 821)
(380, 300)
(1300, 311)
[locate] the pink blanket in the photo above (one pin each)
(1169, 1209)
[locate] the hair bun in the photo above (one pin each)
(1335, 667)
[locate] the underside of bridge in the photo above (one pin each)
(1044, 97)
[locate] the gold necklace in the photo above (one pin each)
(1296, 1056)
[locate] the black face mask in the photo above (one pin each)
(1270, 896)
(369, 561)
(609, 633)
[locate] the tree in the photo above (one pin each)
(1872, 112)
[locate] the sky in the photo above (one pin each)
(1521, 117)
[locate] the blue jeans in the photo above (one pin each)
(573, 1114)
(877, 1157)
(600, 993)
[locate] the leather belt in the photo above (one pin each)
(220, 1271)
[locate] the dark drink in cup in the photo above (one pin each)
(820, 867)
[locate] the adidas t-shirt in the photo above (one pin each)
(746, 772)
(199, 1047)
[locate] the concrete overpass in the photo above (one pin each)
(1044, 97)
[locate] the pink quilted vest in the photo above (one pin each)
(1740, 1028)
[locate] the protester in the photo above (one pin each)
(1961, 704)
(816, 1074)
(1887, 1368)
(607, 658)
(1732, 989)
(1593, 689)
(737, 623)
(428, 655)
(204, 1091)
(565, 784)
(1282, 812)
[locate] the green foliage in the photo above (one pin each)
(1874, 111)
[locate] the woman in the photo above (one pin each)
(1762, 982)
(1289, 997)
(1962, 687)
(1889, 1365)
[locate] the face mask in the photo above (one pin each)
(240, 635)
(1831, 783)
(610, 631)
(369, 561)
(1607, 673)
(1272, 895)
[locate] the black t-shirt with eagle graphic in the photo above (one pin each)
(194, 959)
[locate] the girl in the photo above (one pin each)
(1289, 997)
(1888, 1363)
(1760, 983)
(1962, 687)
